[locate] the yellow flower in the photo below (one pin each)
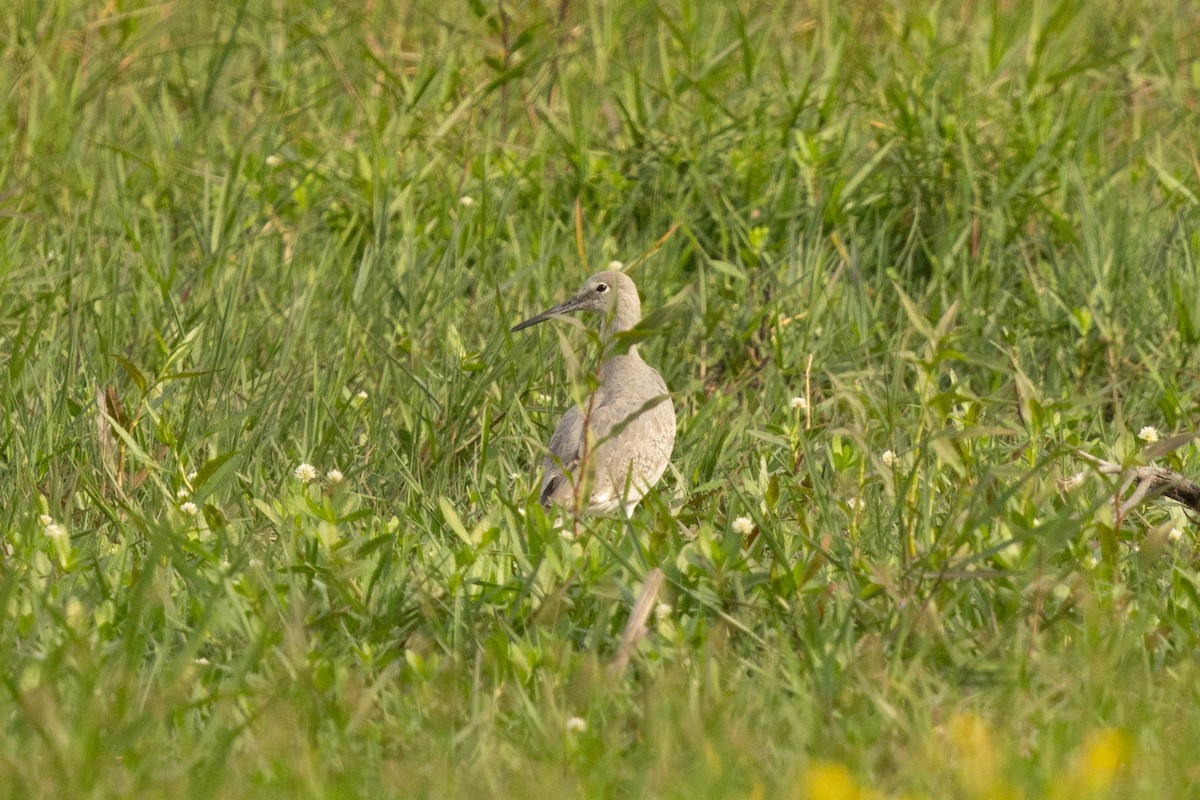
(1096, 764)
(1103, 754)
(829, 781)
(975, 754)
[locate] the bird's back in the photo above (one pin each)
(632, 424)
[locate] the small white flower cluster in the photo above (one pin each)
(1148, 434)
(307, 473)
(576, 725)
(75, 613)
(616, 266)
(743, 526)
(888, 458)
(58, 536)
(54, 531)
(799, 403)
(184, 493)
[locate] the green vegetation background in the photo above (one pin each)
(238, 237)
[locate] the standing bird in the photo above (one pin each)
(629, 418)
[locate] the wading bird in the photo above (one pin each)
(618, 442)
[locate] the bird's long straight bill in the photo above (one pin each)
(561, 308)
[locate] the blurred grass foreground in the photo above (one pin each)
(268, 518)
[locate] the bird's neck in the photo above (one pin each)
(622, 320)
(613, 362)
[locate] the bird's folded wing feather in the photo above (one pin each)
(563, 454)
(625, 433)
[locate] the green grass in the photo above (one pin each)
(239, 237)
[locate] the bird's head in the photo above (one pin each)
(611, 294)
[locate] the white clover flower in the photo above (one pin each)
(182, 493)
(74, 612)
(190, 478)
(543, 399)
(566, 534)
(576, 724)
(1148, 434)
(361, 396)
(335, 477)
(305, 473)
(466, 201)
(46, 520)
(616, 266)
(662, 611)
(743, 526)
(1174, 534)
(799, 403)
(189, 508)
(56, 532)
(888, 458)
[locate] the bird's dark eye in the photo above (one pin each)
(601, 287)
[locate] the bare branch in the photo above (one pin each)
(1151, 482)
(635, 628)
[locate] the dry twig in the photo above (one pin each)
(1148, 481)
(635, 628)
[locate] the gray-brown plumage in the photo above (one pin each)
(630, 417)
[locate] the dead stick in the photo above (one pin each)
(635, 628)
(1152, 482)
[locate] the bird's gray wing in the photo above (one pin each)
(633, 436)
(563, 456)
(634, 439)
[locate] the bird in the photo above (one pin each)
(630, 416)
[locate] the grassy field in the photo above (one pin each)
(903, 264)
